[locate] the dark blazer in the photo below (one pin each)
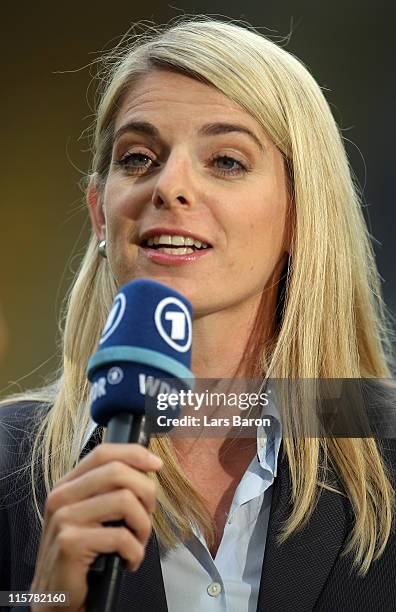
(307, 573)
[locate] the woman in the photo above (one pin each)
(210, 132)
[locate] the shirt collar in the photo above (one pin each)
(91, 428)
(269, 438)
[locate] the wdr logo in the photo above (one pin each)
(173, 323)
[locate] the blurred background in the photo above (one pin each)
(46, 50)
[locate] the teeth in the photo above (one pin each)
(164, 239)
(165, 250)
(179, 241)
(170, 251)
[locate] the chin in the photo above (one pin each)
(182, 285)
(188, 287)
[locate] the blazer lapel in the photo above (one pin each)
(294, 573)
(144, 590)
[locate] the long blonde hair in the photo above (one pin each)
(335, 329)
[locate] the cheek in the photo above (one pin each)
(124, 199)
(121, 230)
(268, 220)
(122, 211)
(258, 241)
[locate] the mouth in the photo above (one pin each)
(174, 245)
(171, 248)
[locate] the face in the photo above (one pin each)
(190, 166)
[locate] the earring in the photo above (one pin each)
(102, 248)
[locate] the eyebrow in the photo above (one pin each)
(211, 129)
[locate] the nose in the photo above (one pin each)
(174, 186)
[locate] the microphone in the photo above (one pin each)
(144, 351)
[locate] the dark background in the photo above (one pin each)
(348, 46)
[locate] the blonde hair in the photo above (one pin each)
(337, 329)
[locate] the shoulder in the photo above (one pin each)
(387, 449)
(380, 398)
(20, 418)
(24, 410)
(381, 408)
(19, 423)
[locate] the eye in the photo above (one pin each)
(226, 165)
(135, 163)
(138, 163)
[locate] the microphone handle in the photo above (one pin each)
(104, 576)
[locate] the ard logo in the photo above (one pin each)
(173, 323)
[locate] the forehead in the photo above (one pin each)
(166, 94)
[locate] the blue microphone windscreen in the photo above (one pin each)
(146, 342)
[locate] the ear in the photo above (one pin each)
(94, 197)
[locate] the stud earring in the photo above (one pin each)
(102, 249)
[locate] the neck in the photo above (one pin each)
(227, 343)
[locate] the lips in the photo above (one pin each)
(167, 257)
